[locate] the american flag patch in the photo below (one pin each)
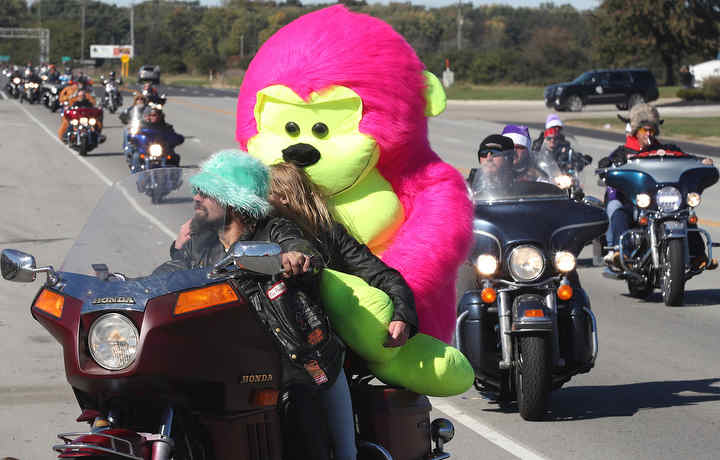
(276, 290)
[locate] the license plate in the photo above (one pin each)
(674, 225)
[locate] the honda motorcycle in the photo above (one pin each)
(82, 134)
(665, 188)
(112, 99)
(178, 364)
(526, 325)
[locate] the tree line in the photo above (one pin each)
(495, 43)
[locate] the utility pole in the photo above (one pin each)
(459, 24)
(242, 44)
(132, 26)
(82, 33)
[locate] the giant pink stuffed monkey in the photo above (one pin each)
(357, 65)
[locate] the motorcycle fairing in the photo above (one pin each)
(648, 175)
(551, 224)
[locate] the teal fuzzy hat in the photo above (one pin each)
(235, 179)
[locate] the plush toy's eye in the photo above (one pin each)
(292, 128)
(320, 130)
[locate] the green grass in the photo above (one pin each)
(498, 92)
(688, 127)
(668, 91)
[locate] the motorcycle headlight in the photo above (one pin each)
(155, 150)
(16, 80)
(74, 122)
(564, 261)
(134, 128)
(668, 199)
(486, 264)
(92, 122)
(54, 90)
(643, 200)
(113, 341)
(693, 199)
(563, 181)
(526, 263)
(83, 121)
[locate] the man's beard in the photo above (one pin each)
(201, 224)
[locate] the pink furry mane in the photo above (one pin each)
(334, 46)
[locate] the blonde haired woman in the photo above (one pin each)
(294, 196)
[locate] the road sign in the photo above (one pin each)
(110, 51)
(4, 58)
(125, 58)
(66, 58)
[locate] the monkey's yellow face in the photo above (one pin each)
(321, 135)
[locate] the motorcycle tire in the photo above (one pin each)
(82, 148)
(640, 290)
(533, 376)
(673, 273)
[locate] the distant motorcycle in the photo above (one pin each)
(154, 150)
(82, 135)
(31, 91)
(665, 191)
(526, 326)
(15, 87)
(112, 99)
(564, 165)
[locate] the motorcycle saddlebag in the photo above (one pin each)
(395, 418)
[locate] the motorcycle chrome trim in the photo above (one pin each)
(458, 324)
(521, 200)
(585, 224)
(380, 449)
(69, 444)
(493, 237)
(546, 283)
(595, 345)
(551, 302)
(504, 316)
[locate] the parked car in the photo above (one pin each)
(149, 73)
(622, 87)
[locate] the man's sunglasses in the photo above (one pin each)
(647, 130)
(493, 153)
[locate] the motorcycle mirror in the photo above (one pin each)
(17, 266)
(441, 431)
(256, 256)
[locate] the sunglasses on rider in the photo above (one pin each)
(492, 153)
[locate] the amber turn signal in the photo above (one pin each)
(693, 219)
(564, 292)
(534, 313)
(199, 299)
(264, 397)
(643, 220)
(488, 295)
(50, 302)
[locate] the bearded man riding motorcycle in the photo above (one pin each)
(641, 142)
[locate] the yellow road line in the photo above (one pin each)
(711, 223)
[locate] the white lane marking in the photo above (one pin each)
(486, 431)
(90, 166)
(102, 177)
(2, 93)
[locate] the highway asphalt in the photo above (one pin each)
(654, 393)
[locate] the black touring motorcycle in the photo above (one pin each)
(664, 247)
(527, 326)
(180, 364)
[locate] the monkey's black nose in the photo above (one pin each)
(302, 155)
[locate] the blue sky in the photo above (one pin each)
(578, 4)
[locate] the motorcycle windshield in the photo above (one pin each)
(646, 175)
(561, 159)
(129, 230)
(495, 182)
